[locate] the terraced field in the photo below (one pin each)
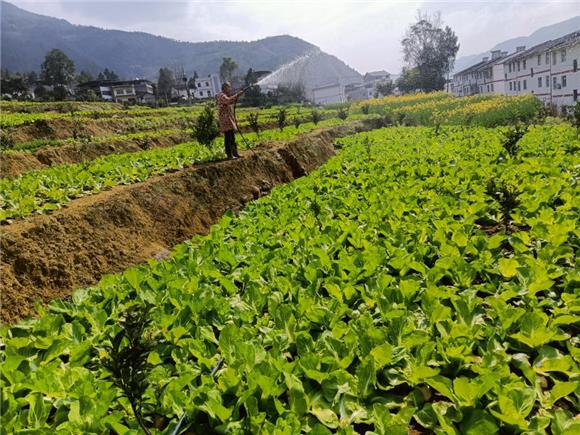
(423, 280)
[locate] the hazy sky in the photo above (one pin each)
(364, 34)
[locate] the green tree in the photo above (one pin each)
(107, 74)
(250, 78)
(60, 93)
(165, 82)
(227, 69)
(57, 68)
(13, 84)
(384, 89)
(431, 49)
(84, 77)
(409, 80)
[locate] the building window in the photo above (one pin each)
(510, 86)
(509, 67)
(555, 82)
(563, 81)
(554, 58)
(547, 81)
(563, 55)
(525, 85)
(575, 95)
(575, 63)
(539, 59)
(492, 87)
(206, 83)
(532, 72)
(539, 82)
(524, 66)
(518, 65)
(547, 58)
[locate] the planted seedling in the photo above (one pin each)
(205, 128)
(512, 137)
(281, 118)
(575, 115)
(343, 113)
(508, 198)
(127, 359)
(297, 121)
(253, 122)
(367, 144)
(315, 116)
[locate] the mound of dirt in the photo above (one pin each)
(46, 257)
(64, 128)
(16, 163)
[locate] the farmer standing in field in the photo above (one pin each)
(227, 121)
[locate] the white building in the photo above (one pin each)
(328, 94)
(548, 70)
(368, 88)
(207, 87)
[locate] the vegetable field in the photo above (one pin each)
(424, 280)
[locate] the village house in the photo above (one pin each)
(203, 88)
(122, 91)
(329, 94)
(368, 88)
(207, 87)
(548, 70)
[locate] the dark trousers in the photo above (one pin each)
(230, 143)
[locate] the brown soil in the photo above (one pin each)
(64, 128)
(16, 163)
(46, 257)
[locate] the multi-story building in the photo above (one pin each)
(548, 70)
(328, 94)
(207, 87)
(485, 77)
(129, 91)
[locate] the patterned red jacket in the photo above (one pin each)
(226, 111)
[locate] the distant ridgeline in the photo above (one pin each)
(27, 37)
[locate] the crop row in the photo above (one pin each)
(441, 108)
(55, 106)
(50, 188)
(14, 119)
(415, 282)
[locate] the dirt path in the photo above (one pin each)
(46, 257)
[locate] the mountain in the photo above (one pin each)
(27, 37)
(541, 35)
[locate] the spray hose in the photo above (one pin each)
(236, 122)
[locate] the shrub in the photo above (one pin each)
(342, 113)
(365, 109)
(574, 117)
(205, 128)
(511, 138)
(297, 121)
(6, 140)
(281, 118)
(253, 122)
(315, 116)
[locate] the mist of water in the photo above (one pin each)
(290, 73)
